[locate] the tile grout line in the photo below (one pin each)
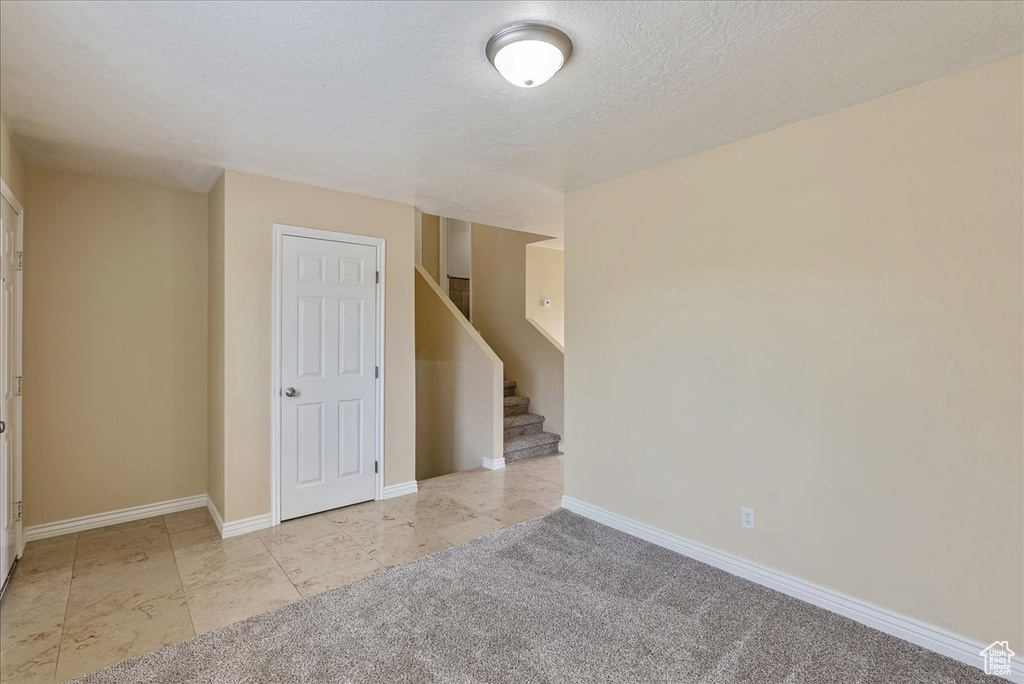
(351, 565)
(385, 506)
(339, 530)
(226, 580)
(188, 604)
(67, 607)
(181, 582)
(220, 542)
(343, 567)
(280, 567)
(475, 515)
(332, 570)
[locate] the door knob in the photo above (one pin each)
(291, 392)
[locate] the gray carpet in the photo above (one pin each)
(556, 599)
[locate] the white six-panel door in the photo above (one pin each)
(328, 374)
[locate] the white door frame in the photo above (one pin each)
(419, 236)
(442, 256)
(19, 532)
(280, 231)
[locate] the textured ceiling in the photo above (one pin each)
(396, 100)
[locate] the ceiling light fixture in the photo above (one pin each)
(527, 55)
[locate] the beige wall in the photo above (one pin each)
(460, 250)
(252, 205)
(499, 313)
(215, 345)
(12, 166)
(431, 245)
(823, 323)
(115, 345)
(545, 279)
(458, 388)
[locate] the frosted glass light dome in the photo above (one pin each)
(528, 63)
(528, 55)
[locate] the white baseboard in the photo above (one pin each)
(400, 489)
(91, 522)
(215, 514)
(925, 635)
(260, 522)
(494, 463)
(238, 527)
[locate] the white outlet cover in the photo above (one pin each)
(747, 518)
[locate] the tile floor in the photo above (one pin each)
(81, 602)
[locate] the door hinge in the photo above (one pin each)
(16, 386)
(17, 510)
(376, 372)
(378, 277)
(19, 261)
(376, 467)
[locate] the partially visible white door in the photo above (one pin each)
(10, 375)
(328, 374)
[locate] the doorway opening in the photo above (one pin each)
(444, 248)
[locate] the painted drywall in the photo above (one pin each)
(252, 205)
(458, 388)
(499, 306)
(823, 323)
(12, 165)
(430, 241)
(115, 336)
(215, 345)
(460, 251)
(545, 281)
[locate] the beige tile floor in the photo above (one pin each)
(81, 602)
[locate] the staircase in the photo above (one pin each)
(524, 431)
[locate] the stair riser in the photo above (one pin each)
(541, 450)
(524, 432)
(528, 429)
(517, 410)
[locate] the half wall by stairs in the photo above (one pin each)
(458, 388)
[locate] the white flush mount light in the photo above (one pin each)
(527, 55)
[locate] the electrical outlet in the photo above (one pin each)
(747, 518)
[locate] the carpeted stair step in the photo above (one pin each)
(525, 446)
(524, 431)
(523, 424)
(515, 406)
